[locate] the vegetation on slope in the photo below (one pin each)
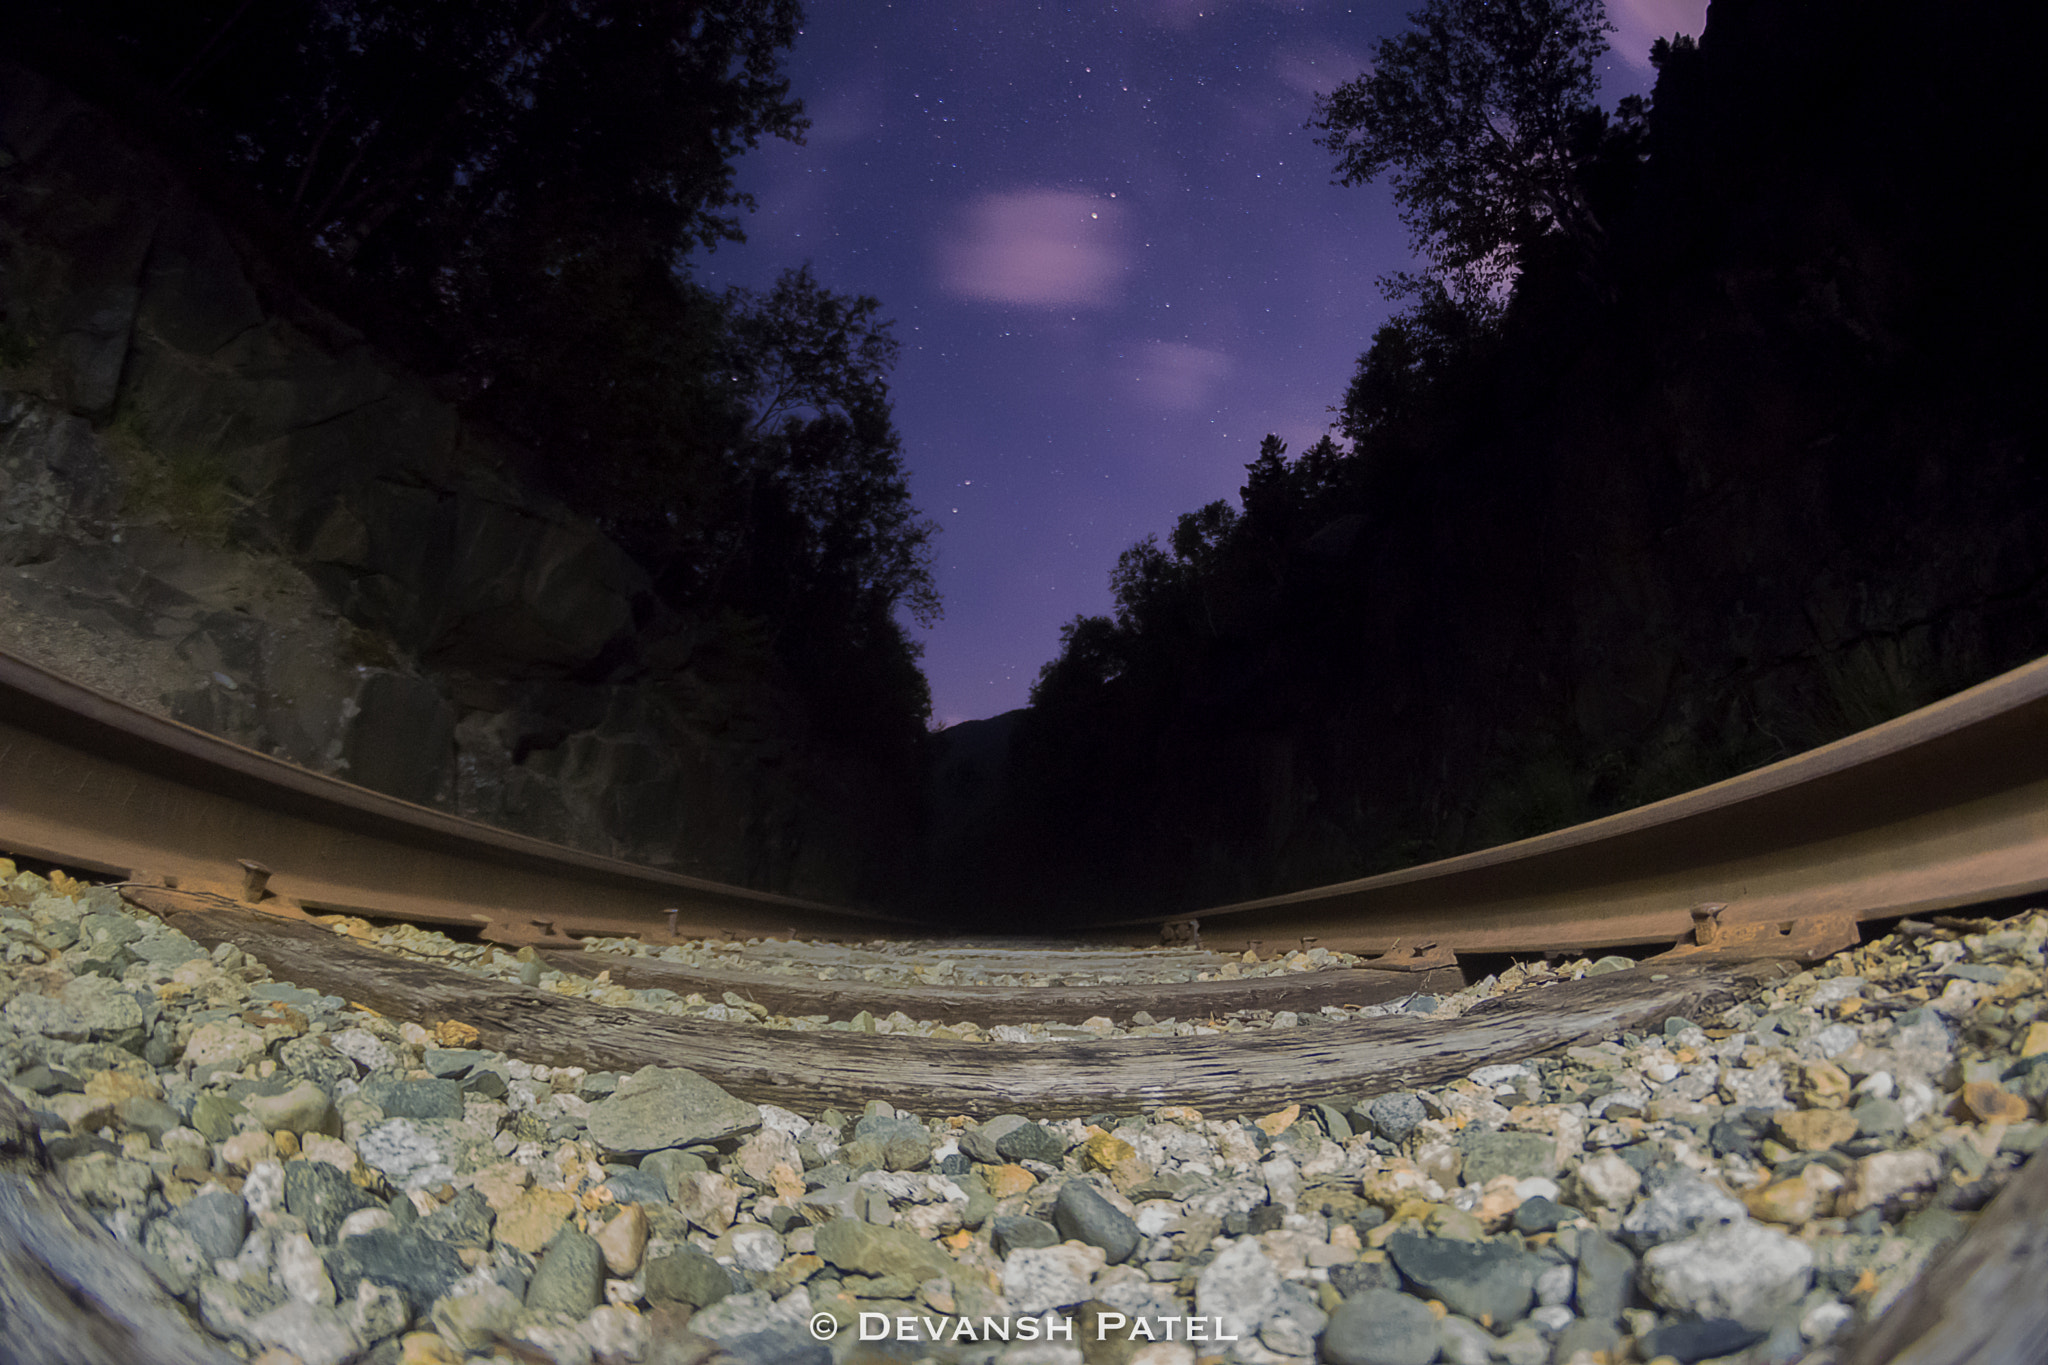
(1709, 434)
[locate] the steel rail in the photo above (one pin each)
(1943, 807)
(93, 783)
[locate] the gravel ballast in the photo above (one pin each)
(320, 1184)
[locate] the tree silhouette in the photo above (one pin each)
(1480, 114)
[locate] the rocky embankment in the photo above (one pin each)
(323, 1185)
(224, 505)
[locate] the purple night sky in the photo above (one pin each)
(1115, 260)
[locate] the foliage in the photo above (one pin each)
(1411, 353)
(1482, 114)
(1090, 657)
(1683, 500)
(821, 459)
(430, 147)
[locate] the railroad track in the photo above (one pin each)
(1944, 808)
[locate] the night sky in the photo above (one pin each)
(1114, 258)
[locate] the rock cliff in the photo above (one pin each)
(223, 503)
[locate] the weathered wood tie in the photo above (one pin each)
(1231, 1073)
(985, 1005)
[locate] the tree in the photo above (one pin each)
(1411, 353)
(1479, 113)
(1091, 655)
(820, 465)
(464, 155)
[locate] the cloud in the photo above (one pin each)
(1175, 376)
(1641, 22)
(1041, 248)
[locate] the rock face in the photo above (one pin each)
(220, 503)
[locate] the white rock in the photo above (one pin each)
(777, 1119)
(362, 1221)
(1500, 1073)
(1739, 1270)
(1039, 1278)
(1824, 1320)
(1834, 1040)
(364, 1048)
(708, 1200)
(1679, 1208)
(1464, 1342)
(1283, 1181)
(617, 1334)
(560, 1343)
(317, 1336)
(1884, 1176)
(1608, 1180)
(1835, 990)
(220, 1044)
(1241, 1286)
(263, 1189)
(757, 1249)
(301, 1271)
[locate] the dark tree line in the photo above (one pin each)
(1685, 450)
(520, 186)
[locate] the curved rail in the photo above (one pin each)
(94, 783)
(1943, 807)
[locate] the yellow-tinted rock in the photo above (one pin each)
(786, 1180)
(83, 1113)
(1103, 1151)
(1816, 1130)
(502, 1184)
(1990, 1102)
(454, 1033)
(1007, 1180)
(242, 1151)
(2036, 1041)
(120, 1085)
(426, 1348)
(1278, 1122)
(1497, 1202)
(534, 1219)
(1446, 1221)
(1824, 1085)
(1791, 1202)
(623, 1240)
